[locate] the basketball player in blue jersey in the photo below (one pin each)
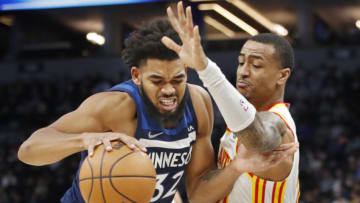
(156, 109)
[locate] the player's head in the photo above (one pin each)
(157, 70)
(265, 63)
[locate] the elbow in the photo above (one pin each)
(22, 153)
(25, 154)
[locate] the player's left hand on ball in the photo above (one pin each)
(91, 140)
(250, 161)
(132, 142)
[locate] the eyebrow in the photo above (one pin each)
(253, 56)
(155, 76)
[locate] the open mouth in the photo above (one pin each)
(168, 104)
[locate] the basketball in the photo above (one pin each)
(119, 176)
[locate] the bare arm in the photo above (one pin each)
(76, 131)
(202, 177)
(264, 133)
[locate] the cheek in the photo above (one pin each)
(180, 91)
(151, 91)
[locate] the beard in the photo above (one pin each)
(167, 120)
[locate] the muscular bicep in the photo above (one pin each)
(274, 133)
(265, 133)
(95, 114)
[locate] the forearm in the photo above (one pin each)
(263, 134)
(48, 145)
(237, 112)
(215, 185)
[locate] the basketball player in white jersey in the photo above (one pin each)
(257, 117)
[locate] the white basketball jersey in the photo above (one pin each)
(249, 188)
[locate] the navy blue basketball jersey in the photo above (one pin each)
(169, 150)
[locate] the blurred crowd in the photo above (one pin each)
(323, 103)
(326, 114)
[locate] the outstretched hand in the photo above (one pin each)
(190, 52)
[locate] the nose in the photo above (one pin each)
(168, 89)
(243, 70)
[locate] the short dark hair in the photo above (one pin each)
(282, 48)
(145, 43)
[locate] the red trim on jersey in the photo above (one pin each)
(279, 102)
(237, 145)
(286, 123)
(251, 174)
(256, 189)
(280, 191)
(263, 192)
(273, 192)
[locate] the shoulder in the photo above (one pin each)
(203, 107)
(283, 113)
(198, 94)
(108, 102)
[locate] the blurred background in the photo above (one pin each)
(54, 54)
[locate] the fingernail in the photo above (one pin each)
(132, 146)
(144, 149)
(108, 148)
(91, 154)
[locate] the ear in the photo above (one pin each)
(284, 75)
(135, 75)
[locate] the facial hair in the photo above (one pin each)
(167, 120)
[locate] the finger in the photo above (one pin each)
(128, 142)
(197, 38)
(107, 144)
(292, 150)
(181, 15)
(189, 21)
(141, 146)
(276, 159)
(169, 43)
(284, 147)
(131, 145)
(174, 22)
(91, 150)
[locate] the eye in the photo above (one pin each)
(241, 63)
(156, 82)
(255, 66)
(177, 82)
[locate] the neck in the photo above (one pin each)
(265, 103)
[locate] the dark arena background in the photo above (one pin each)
(54, 54)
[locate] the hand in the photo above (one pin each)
(250, 161)
(190, 52)
(91, 140)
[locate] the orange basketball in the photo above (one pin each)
(119, 176)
